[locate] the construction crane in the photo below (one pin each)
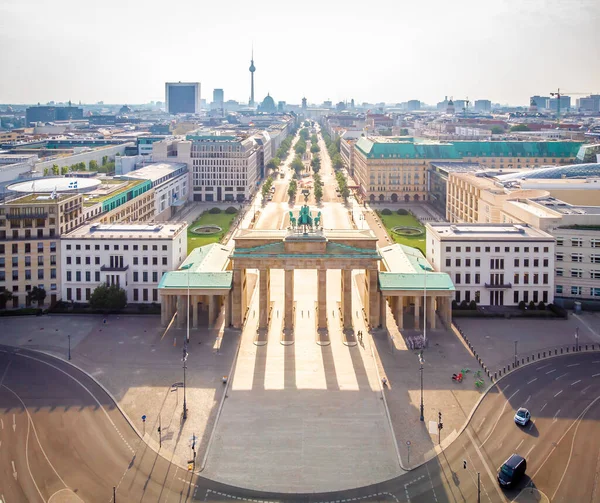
(466, 109)
(558, 94)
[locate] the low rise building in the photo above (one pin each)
(132, 256)
(494, 264)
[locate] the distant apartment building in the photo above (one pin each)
(222, 167)
(396, 169)
(132, 256)
(494, 264)
(182, 97)
(540, 102)
(565, 104)
(589, 104)
(30, 231)
(412, 105)
(482, 105)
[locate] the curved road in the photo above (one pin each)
(63, 439)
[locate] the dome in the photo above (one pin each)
(125, 110)
(451, 103)
(252, 67)
(268, 104)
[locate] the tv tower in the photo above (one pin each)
(252, 70)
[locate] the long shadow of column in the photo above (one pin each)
(289, 367)
(359, 366)
(329, 368)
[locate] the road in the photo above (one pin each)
(61, 435)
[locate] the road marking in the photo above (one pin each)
(498, 418)
(5, 372)
(481, 423)
(573, 384)
(596, 361)
(431, 481)
(596, 375)
(530, 425)
(2, 422)
(543, 406)
(14, 470)
(507, 386)
(534, 379)
(558, 393)
(543, 366)
(14, 423)
(550, 372)
(485, 465)
(555, 418)
(563, 375)
(529, 451)
(585, 389)
(528, 397)
(573, 365)
(522, 440)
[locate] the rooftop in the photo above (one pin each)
(499, 232)
(43, 198)
(154, 172)
(560, 172)
(109, 188)
(127, 231)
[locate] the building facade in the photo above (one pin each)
(132, 256)
(182, 97)
(494, 264)
(30, 231)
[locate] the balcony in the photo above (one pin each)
(75, 207)
(114, 268)
(498, 286)
(23, 216)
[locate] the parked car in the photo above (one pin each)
(512, 471)
(522, 416)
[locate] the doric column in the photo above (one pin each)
(322, 297)
(400, 312)
(417, 311)
(447, 311)
(227, 299)
(431, 313)
(372, 300)
(288, 315)
(181, 311)
(163, 311)
(382, 310)
(264, 300)
(347, 297)
(237, 307)
(212, 309)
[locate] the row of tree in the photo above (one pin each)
(292, 189)
(333, 149)
(282, 151)
(266, 187)
(342, 185)
(318, 187)
(107, 167)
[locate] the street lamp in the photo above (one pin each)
(516, 353)
(425, 267)
(187, 267)
(576, 338)
(421, 361)
(184, 360)
(69, 336)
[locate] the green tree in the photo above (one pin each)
(46, 171)
(104, 160)
(266, 187)
(64, 170)
(318, 193)
(55, 170)
(337, 162)
(315, 164)
(313, 138)
(274, 163)
(5, 296)
(497, 130)
(37, 295)
(293, 187)
(297, 164)
(314, 148)
(304, 134)
(519, 127)
(109, 298)
(300, 147)
(93, 165)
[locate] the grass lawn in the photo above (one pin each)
(222, 219)
(395, 220)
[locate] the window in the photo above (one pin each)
(525, 262)
(516, 262)
(477, 278)
(154, 295)
(145, 294)
(15, 275)
(164, 247)
(526, 249)
(545, 263)
(559, 272)
(526, 278)
(96, 247)
(145, 247)
(536, 249)
(468, 249)
(577, 257)
(52, 273)
(448, 249)
(457, 278)
(135, 295)
(88, 293)
(517, 249)
(68, 247)
(40, 274)
(576, 273)
(545, 278)
(468, 279)
(536, 262)
(69, 294)
(78, 260)
(595, 259)
(559, 257)
(477, 249)
(88, 276)
(87, 247)
(68, 275)
(477, 262)
(135, 247)
(135, 261)
(78, 247)
(536, 278)
(135, 276)
(88, 260)
(558, 289)
(145, 276)
(487, 249)
(577, 242)
(125, 247)
(154, 260)
(595, 292)
(457, 296)
(97, 260)
(27, 274)
(516, 297)
(506, 249)
(595, 274)
(115, 247)
(468, 262)
(78, 294)
(154, 247)
(595, 243)
(107, 247)
(155, 276)
(68, 260)
(457, 262)
(164, 261)
(576, 290)
(516, 278)
(458, 249)
(97, 276)
(145, 260)
(497, 249)
(77, 275)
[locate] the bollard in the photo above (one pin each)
(556, 351)
(523, 361)
(538, 356)
(586, 347)
(528, 359)
(561, 351)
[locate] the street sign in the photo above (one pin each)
(144, 418)
(408, 442)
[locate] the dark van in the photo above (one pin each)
(511, 471)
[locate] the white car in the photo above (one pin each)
(522, 416)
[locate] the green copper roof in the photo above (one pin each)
(203, 280)
(275, 250)
(415, 281)
(402, 149)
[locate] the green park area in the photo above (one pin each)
(404, 229)
(209, 228)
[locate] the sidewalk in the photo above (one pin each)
(129, 358)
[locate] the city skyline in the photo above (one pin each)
(475, 50)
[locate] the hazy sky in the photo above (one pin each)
(386, 50)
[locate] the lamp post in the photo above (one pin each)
(421, 361)
(576, 338)
(69, 337)
(516, 353)
(187, 268)
(184, 360)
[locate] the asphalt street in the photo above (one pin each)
(62, 438)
